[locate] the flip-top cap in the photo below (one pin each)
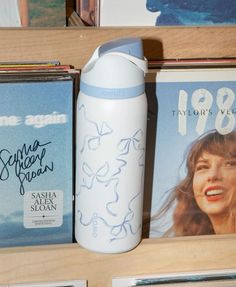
(130, 46)
(116, 70)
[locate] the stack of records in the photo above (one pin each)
(36, 153)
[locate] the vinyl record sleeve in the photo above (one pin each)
(167, 13)
(216, 278)
(72, 283)
(36, 161)
(191, 104)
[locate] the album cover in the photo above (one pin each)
(167, 13)
(71, 283)
(213, 278)
(36, 160)
(194, 169)
(193, 13)
(32, 13)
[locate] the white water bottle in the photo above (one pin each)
(110, 151)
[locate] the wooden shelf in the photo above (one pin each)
(67, 262)
(72, 45)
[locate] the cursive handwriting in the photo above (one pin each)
(23, 160)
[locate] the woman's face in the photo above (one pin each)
(214, 184)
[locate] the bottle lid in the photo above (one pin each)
(116, 70)
(130, 46)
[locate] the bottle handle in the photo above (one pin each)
(93, 58)
(141, 63)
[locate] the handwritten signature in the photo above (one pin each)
(23, 160)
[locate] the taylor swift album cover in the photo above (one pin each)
(194, 177)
